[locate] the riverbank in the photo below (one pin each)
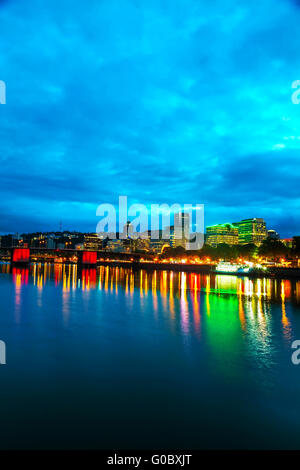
(273, 272)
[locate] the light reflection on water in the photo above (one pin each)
(208, 345)
(171, 293)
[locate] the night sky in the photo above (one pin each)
(165, 101)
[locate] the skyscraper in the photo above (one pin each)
(181, 229)
(128, 230)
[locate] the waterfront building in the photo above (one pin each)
(251, 231)
(273, 235)
(288, 242)
(116, 246)
(172, 237)
(140, 244)
(6, 240)
(222, 233)
(157, 246)
(51, 244)
(92, 242)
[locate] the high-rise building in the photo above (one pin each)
(128, 230)
(172, 236)
(180, 235)
(251, 231)
(222, 233)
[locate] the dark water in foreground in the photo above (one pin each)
(115, 359)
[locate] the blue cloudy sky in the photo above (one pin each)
(165, 101)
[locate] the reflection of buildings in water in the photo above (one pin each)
(106, 275)
(173, 287)
(258, 328)
(285, 289)
(242, 313)
(20, 277)
(222, 329)
(207, 295)
(227, 284)
(66, 303)
(154, 292)
(57, 273)
(184, 307)
(141, 284)
(89, 279)
(297, 291)
(171, 295)
(5, 268)
(114, 277)
(66, 278)
(164, 290)
(195, 302)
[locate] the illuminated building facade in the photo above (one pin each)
(222, 233)
(251, 231)
(157, 246)
(172, 237)
(116, 246)
(181, 233)
(288, 242)
(140, 245)
(92, 242)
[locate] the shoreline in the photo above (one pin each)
(274, 272)
(271, 272)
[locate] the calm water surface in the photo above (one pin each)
(111, 358)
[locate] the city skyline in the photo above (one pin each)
(61, 229)
(166, 102)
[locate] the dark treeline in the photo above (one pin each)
(269, 249)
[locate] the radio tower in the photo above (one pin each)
(60, 226)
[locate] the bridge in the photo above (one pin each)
(23, 256)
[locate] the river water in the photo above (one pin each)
(111, 358)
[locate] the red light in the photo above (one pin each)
(89, 276)
(89, 257)
(20, 275)
(21, 254)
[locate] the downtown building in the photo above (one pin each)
(222, 234)
(92, 242)
(251, 231)
(180, 232)
(172, 236)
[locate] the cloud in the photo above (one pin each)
(164, 101)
